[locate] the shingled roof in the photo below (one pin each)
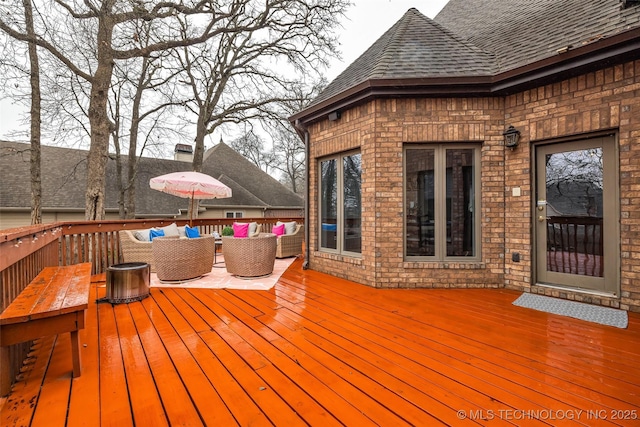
(64, 181)
(520, 32)
(485, 47)
(415, 47)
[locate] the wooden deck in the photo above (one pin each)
(321, 351)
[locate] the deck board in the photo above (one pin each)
(320, 350)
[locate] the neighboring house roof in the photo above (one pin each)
(64, 181)
(237, 172)
(484, 47)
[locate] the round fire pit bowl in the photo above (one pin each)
(128, 282)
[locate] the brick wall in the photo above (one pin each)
(607, 99)
(381, 129)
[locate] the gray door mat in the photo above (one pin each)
(579, 310)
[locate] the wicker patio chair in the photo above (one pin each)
(180, 259)
(290, 244)
(134, 250)
(249, 257)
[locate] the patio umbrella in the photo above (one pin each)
(192, 185)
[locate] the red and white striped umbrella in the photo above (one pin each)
(192, 185)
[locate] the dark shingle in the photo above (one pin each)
(222, 160)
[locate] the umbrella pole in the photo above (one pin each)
(191, 211)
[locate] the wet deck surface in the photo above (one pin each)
(317, 350)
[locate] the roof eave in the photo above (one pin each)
(569, 62)
(624, 46)
(384, 88)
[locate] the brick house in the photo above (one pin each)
(412, 182)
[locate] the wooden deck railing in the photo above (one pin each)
(25, 251)
(575, 245)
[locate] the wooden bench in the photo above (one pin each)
(53, 303)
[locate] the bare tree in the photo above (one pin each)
(242, 73)
(288, 148)
(252, 147)
(34, 74)
(115, 25)
(574, 181)
(290, 151)
(144, 116)
(254, 45)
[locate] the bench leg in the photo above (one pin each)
(5, 371)
(75, 353)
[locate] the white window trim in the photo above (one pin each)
(235, 214)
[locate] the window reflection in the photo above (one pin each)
(574, 207)
(329, 204)
(420, 205)
(460, 203)
(440, 212)
(352, 187)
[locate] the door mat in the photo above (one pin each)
(579, 310)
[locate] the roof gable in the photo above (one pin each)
(222, 159)
(415, 47)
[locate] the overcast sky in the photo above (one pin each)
(365, 22)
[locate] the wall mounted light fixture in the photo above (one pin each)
(334, 115)
(511, 137)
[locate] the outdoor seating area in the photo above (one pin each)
(175, 257)
(321, 350)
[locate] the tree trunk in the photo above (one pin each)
(35, 162)
(99, 121)
(115, 134)
(198, 150)
(132, 161)
(198, 158)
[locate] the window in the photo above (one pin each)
(233, 214)
(441, 194)
(341, 203)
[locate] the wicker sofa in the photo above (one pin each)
(134, 250)
(178, 259)
(290, 244)
(249, 257)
